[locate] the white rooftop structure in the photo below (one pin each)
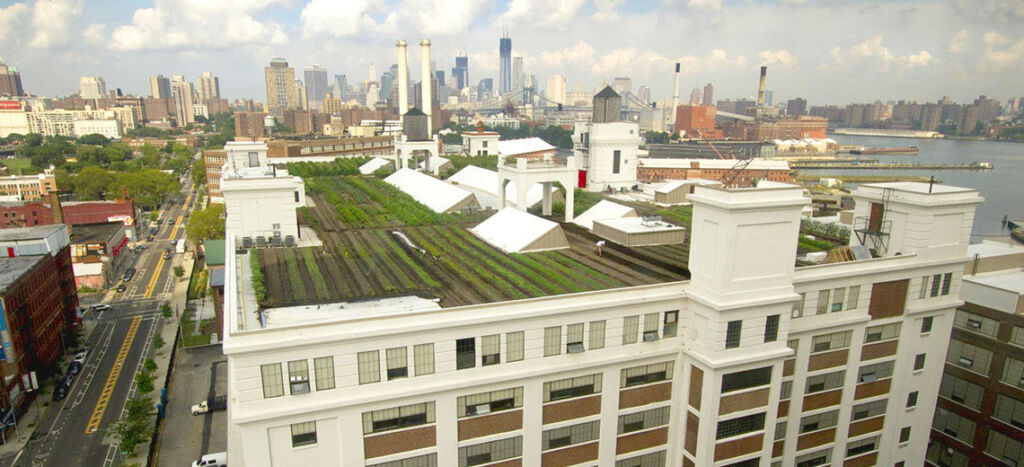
(1003, 290)
(373, 165)
(435, 194)
(601, 211)
(515, 231)
(485, 183)
(638, 225)
(345, 311)
(514, 147)
(671, 185)
(725, 164)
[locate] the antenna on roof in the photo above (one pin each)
(930, 183)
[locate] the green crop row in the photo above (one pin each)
(340, 166)
(823, 229)
(298, 287)
(259, 285)
(398, 251)
(314, 272)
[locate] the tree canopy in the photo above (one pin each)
(205, 224)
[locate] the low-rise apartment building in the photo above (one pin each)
(750, 362)
(280, 151)
(28, 187)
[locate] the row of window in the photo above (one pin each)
(734, 331)
(968, 356)
(396, 360)
(954, 425)
(838, 299)
(298, 377)
(940, 284)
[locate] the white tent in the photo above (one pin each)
(515, 231)
(484, 183)
(434, 193)
(603, 210)
(373, 165)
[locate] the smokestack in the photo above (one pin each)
(425, 82)
(760, 88)
(675, 98)
(403, 81)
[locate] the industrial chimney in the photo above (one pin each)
(760, 88)
(403, 80)
(675, 98)
(425, 81)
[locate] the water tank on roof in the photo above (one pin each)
(268, 121)
(414, 125)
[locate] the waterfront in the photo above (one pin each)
(1002, 187)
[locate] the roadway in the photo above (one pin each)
(73, 432)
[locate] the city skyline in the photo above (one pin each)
(827, 60)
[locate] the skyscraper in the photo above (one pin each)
(209, 86)
(460, 74)
(622, 85)
(439, 76)
(92, 87)
(340, 86)
(10, 81)
(485, 88)
(181, 92)
(695, 96)
(316, 84)
(282, 92)
(796, 107)
(556, 88)
(709, 94)
(159, 87)
(505, 65)
(518, 75)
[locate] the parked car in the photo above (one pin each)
(129, 274)
(68, 379)
(216, 459)
(122, 288)
(100, 307)
(167, 253)
(80, 356)
(59, 392)
(212, 404)
(74, 367)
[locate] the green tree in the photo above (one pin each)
(205, 224)
(150, 155)
(150, 365)
(92, 183)
(144, 382)
(146, 187)
(179, 271)
(94, 139)
(198, 174)
(158, 341)
(134, 428)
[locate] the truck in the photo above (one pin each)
(179, 246)
(212, 404)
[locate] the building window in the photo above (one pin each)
(947, 280)
(273, 386)
(298, 377)
(398, 417)
(630, 328)
(552, 341)
(369, 366)
(570, 435)
(643, 420)
(515, 342)
(819, 421)
(786, 391)
(905, 434)
(303, 434)
(616, 160)
(919, 361)
(596, 335)
(861, 446)
(296, 196)
(969, 356)
(746, 379)
(398, 363)
(1004, 448)
(924, 288)
(1017, 336)
(324, 368)
(815, 458)
(254, 159)
(739, 426)
(671, 323)
(825, 382)
(646, 374)
(837, 299)
(489, 402)
(771, 328)
(423, 359)
(827, 342)
(1009, 410)
(486, 453)
(1013, 372)
(465, 353)
(954, 425)
(650, 327)
(868, 410)
(912, 399)
(798, 307)
(654, 459)
(780, 430)
(882, 333)
(490, 350)
(875, 372)
(976, 323)
(732, 334)
(572, 387)
(853, 298)
(926, 324)
(961, 391)
(823, 301)
(574, 338)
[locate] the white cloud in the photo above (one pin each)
(921, 58)
(579, 54)
(717, 60)
(958, 43)
(873, 50)
(1000, 9)
(344, 19)
(10, 17)
(606, 10)
(705, 5)
(95, 34)
(441, 17)
(996, 58)
(52, 20)
(547, 13)
(184, 24)
(781, 57)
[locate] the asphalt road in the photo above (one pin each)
(72, 432)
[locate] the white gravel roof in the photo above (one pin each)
(373, 165)
(514, 147)
(512, 230)
(435, 194)
(601, 211)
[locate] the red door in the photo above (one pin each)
(582, 179)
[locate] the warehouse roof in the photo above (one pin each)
(672, 185)
(29, 233)
(603, 210)
(11, 269)
(214, 251)
(515, 231)
(435, 194)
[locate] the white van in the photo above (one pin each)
(216, 459)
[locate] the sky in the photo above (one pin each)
(828, 51)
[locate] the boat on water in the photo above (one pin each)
(1017, 233)
(903, 150)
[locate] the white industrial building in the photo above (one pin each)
(606, 148)
(109, 128)
(260, 200)
(480, 142)
(750, 362)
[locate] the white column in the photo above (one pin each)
(570, 193)
(425, 81)
(403, 81)
(546, 203)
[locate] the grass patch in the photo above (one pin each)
(189, 337)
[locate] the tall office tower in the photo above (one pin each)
(10, 81)
(796, 107)
(387, 83)
(340, 86)
(769, 98)
(505, 65)
(439, 76)
(518, 76)
(316, 84)
(622, 85)
(644, 94)
(181, 94)
(556, 88)
(695, 96)
(159, 87)
(209, 87)
(373, 72)
(709, 95)
(92, 87)
(282, 93)
(485, 88)
(460, 74)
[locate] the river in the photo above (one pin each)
(1002, 187)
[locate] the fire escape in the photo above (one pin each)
(873, 230)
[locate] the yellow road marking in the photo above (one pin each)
(153, 280)
(174, 231)
(115, 372)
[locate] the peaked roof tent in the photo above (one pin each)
(486, 181)
(435, 194)
(515, 231)
(603, 210)
(373, 165)
(414, 111)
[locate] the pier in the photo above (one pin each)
(888, 165)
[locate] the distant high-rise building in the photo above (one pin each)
(373, 72)
(460, 74)
(209, 86)
(316, 84)
(695, 96)
(968, 121)
(92, 87)
(518, 75)
(988, 109)
(181, 93)
(340, 86)
(644, 94)
(387, 83)
(439, 76)
(556, 88)
(282, 92)
(159, 87)
(622, 85)
(769, 98)
(505, 65)
(709, 95)
(931, 117)
(10, 81)
(796, 107)
(485, 87)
